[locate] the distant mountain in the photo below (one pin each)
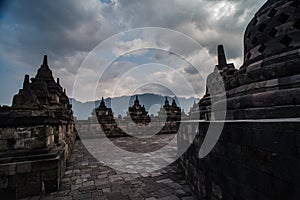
(119, 105)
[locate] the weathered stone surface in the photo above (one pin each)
(3, 182)
(17, 180)
(7, 133)
(86, 178)
(23, 167)
(252, 159)
(51, 185)
(3, 145)
(7, 169)
(28, 190)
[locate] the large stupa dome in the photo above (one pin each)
(271, 43)
(267, 85)
(274, 29)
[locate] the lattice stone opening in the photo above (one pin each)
(262, 27)
(262, 48)
(254, 41)
(273, 32)
(297, 24)
(286, 40)
(248, 55)
(272, 12)
(283, 18)
(296, 4)
(249, 35)
(255, 22)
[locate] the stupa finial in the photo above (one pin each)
(45, 60)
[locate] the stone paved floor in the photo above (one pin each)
(86, 178)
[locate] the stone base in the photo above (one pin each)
(276, 98)
(33, 173)
(253, 159)
(274, 112)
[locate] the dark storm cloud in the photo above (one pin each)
(58, 28)
(227, 20)
(68, 30)
(231, 27)
(167, 13)
(63, 28)
(190, 70)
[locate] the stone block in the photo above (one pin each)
(16, 180)
(51, 185)
(37, 142)
(289, 171)
(22, 132)
(45, 165)
(50, 174)
(8, 193)
(278, 142)
(19, 144)
(49, 130)
(216, 190)
(31, 189)
(50, 139)
(32, 177)
(38, 131)
(23, 168)
(298, 144)
(42, 131)
(6, 133)
(7, 169)
(257, 158)
(3, 145)
(3, 182)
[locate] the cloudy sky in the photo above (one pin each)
(100, 48)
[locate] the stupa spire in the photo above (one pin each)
(166, 101)
(102, 103)
(136, 102)
(26, 84)
(44, 72)
(174, 103)
(45, 60)
(221, 56)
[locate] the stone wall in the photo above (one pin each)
(251, 160)
(33, 137)
(91, 128)
(32, 176)
(31, 162)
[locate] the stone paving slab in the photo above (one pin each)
(86, 178)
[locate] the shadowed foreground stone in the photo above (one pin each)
(257, 154)
(36, 137)
(86, 178)
(252, 159)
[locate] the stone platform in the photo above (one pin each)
(86, 178)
